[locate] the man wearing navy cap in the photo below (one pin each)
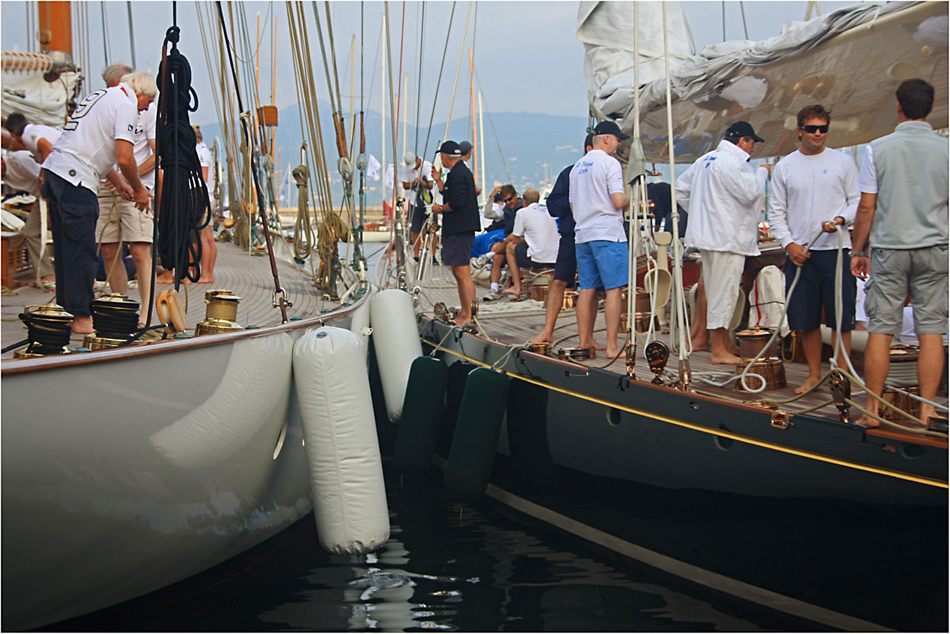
(723, 195)
(598, 200)
(460, 221)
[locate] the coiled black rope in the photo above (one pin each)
(185, 206)
(113, 323)
(47, 333)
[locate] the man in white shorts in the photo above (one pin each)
(722, 195)
(99, 135)
(119, 220)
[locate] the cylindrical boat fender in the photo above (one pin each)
(396, 339)
(346, 471)
(359, 324)
(421, 414)
(476, 433)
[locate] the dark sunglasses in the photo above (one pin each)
(811, 129)
(510, 198)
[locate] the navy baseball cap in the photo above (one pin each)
(741, 129)
(609, 127)
(450, 148)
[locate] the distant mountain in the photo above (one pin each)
(528, 140)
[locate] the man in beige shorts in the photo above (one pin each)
(119, 220)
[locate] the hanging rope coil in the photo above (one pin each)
(303, 229)
(186, 208)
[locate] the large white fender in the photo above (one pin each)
(359, 324)
(339, 430)
(396, 340)
(767, 300)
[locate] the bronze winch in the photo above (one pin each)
(115, 318)
(767, 363)
(220, 313)
(48, 327)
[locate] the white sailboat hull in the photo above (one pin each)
(124, 476)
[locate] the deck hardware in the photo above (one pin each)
(658, 354)
(780, 419)
(841, 393)
(630, 354)
(625, 382)
(283, 298)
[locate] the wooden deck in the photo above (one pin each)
(247, 275)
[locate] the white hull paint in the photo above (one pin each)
(124, 476)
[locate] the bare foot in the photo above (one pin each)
(724, 359)
(597, 346)
(807, 385)
(699, 346)
(203, 280)
(543, 338)
(614, 353)
(165, 278)
(512, 291)
(82, 325)
(461, 323)
(867, 421)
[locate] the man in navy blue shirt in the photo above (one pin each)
(459, 210)
(565, 269)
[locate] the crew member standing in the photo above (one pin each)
(100, 134)
(460, 221)
(903, 217)
(815, 189)
(721, 193)
(597, 201)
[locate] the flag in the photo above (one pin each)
(372, 168)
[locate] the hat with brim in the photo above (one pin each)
(450, 148)
(609, 127)
(741, 129)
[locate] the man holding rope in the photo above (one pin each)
(815, 189)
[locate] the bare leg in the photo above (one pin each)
(877, 361)
(466, 287)
(115, 267)
(721, 346)
(416, 243)
(811, 344)
(142, 255)
(551, 310)
(929, 371)
(586, 313)
(846, 340)
(697, 330)
(496, 263)
(612, 317)
(209, 253)
(513, 270)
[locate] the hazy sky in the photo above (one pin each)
(527, 56)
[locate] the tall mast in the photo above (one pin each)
(56, 26)
(476, 149)
(382, 112)
(481, 141)
(405, 111)
(273, 91)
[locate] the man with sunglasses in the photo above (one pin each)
(814, 190)
(722, 195)
(512, 203)
(903, 217)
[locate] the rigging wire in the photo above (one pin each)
(438, 83)
(491, 122)
(105, 34)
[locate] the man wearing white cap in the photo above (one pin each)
(416, 181)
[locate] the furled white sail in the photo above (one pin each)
(850, 60)
(41, 101)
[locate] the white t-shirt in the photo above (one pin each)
(206, 160)
(806, 191)
(22, 172)
(32, 135)
(539, 230)
(145, 132)
(723, 194)
(85, 152)
(408, 174)
(593, 179)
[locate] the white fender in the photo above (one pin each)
(767, 300)
(254, 384)
(359, 325)
(339, 430)
(396, 339)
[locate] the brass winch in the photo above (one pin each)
(220, 314)
(641, 317)
(115, 318)
(767, 364)
(48, 327)
(538, 287)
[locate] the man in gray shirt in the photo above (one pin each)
(903, 217)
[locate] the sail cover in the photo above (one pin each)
(41, 101)
(851, 61)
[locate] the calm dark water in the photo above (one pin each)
(447, 566)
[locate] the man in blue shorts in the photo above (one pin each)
(903, 217)
(565, 268)
(598, 201)
(815, 189)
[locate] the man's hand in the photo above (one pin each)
(436, 209)
(828, 226)
(123, 189)
(860, 265)
(141, 198)
(768, 167)
(797, 253)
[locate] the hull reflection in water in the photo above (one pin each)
(447, 566)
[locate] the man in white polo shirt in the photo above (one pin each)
(119, 220)
(533, 241)
(100, 134)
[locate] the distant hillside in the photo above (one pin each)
(528, 141)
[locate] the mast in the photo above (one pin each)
(273, 92)
(56, 26)
(382, 112)
(481, 141)
(475, 147)
(405, 112)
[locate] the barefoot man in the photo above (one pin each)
(903, 217)
(815, 189)
(722, 194)
(597, 201)
(460, 221)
